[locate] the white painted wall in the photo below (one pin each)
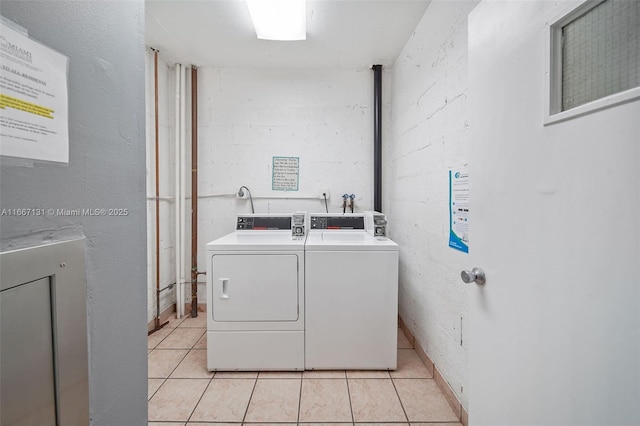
(428, 136)
(248, 116)
(166, 133)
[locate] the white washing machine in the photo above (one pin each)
(351, 286)
(255, 295)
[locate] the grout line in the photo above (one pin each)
(300, 397)
(353, 418)
(442, 384)
(400, 399)
(174, 368)
(199, 399)
(250, 398)
(156, 391)
(158, 344)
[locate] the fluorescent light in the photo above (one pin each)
(279, 19)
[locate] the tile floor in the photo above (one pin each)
(183, 393)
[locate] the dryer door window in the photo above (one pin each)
(255, 287)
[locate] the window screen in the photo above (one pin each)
(601, 52)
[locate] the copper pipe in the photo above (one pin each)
(158, 326)
(194, 192)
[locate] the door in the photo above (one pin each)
(555, 330)
(255, 287)
(27, 388)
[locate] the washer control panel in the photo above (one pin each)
(337, 222)
(376, 224)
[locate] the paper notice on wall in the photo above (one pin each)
(459, 209)
(286, 173)
(34, 120)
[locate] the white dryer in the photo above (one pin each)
(351, 285)
(255, 295)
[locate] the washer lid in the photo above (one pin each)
(347, 240)
(257, 240)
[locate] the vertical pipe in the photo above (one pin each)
(177, 190)
(183, 180)
(155, 78)
(194, 192)
(377, 138)
(157, 324)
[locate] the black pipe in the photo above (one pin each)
(377, 138)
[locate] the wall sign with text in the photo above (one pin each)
(34, 120)
(459, 209)
(286, 173)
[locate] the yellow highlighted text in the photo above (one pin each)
(19, 104)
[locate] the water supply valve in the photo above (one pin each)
(345, 197)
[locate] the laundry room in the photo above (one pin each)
(203, 223)
(319, 107)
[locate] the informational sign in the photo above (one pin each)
(34, 119)
(459, 209)
(286, 173)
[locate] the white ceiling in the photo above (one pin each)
(347, 34)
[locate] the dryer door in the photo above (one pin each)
(255, 287)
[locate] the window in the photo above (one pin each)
(595, 58)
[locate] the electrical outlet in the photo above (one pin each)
(322, 193)
(242, 194)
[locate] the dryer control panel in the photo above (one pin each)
(298, 228)
(263, 223)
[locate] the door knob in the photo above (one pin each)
(475, 275)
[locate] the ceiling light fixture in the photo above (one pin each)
(279, 19)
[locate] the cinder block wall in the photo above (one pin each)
(429, 134)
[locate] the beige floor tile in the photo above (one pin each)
(166, 424)
(325, 424)
(274, 400)
(266, 424)
(410, 366)
(193, 366)
(385, 424)
(152, 386)
(280, 375)
(182, 338)
(236, 374)
(423, 401)
(375, 400)
(162, 362)
(403, 342)
(156, 337)
(436, 424)
(225, 400)
(325, 400)
(176, 399)
(202, 342)
(173, 321)
(367, 374)
(212, 424)
(199, 321)
(324, 374)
